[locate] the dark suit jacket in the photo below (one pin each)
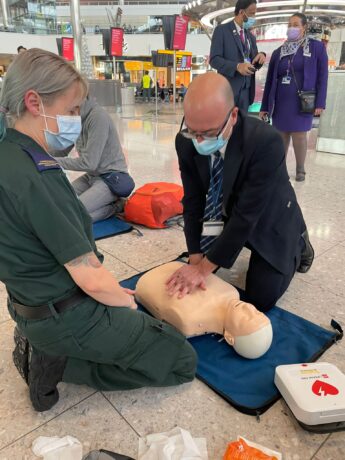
(260, 203)
(227, 51)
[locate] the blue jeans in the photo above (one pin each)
(147, 94)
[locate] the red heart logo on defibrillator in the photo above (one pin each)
(323, 388)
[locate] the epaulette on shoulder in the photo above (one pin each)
(42, 160)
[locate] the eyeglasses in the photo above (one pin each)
(207, 135)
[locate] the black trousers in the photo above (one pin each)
(242, 100)
(264, 284)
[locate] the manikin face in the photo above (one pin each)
(244, 319)
(248, 330)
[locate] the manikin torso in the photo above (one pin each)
(218, 309)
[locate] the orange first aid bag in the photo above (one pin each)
(152, 204)
(240, 450)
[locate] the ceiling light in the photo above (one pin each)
(207, 20)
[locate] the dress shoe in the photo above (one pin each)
(300, 176)
(307, 255)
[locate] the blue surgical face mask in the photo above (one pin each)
(250, 23)
(69, 129)
(209, 146)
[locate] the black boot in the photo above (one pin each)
(40, 371)
(45, 372)
(20, 354)
(307, 255)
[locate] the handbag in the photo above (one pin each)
(306, 98)
(307, 101)
(119, 183)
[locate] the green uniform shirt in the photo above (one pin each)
(43, 225)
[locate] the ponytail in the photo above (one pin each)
(3, 122)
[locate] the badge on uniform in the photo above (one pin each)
(286, 80)
(212, 228)
(247, 60)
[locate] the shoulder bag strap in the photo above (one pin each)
(294, 76)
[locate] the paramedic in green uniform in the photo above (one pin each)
(79, 324)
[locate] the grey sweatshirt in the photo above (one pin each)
(98, 145)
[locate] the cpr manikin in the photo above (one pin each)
(217, 309)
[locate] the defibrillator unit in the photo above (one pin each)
(315, 393)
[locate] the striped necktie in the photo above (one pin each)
(214, 200)
(242, 36)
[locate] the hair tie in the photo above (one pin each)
(3, 109)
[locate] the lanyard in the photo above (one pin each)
(215, 192)
(245, 47)
(290, 63)
(246, 44)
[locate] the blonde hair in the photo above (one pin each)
(42, 71)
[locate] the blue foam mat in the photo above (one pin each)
(246, 384)
(110, 227)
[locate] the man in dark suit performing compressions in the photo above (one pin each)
(234, 53)
(237, 194)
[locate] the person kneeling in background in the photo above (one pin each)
(106, 181)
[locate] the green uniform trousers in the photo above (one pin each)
(112, 348)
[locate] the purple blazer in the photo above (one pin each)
(315, 76)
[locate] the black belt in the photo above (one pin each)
(43, 311)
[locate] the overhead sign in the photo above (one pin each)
(183, 62)
(165, 58)
(133, 65)
(180, 33)
(116, 41)
(138, 65)
(67, 48)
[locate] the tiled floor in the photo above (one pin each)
(115, 420)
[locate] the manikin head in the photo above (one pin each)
(247, 329)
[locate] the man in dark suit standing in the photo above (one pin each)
(237, 194)
(234, 53)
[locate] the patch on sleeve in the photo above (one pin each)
(42, 160)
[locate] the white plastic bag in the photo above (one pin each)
(67, 448)
(177, 444)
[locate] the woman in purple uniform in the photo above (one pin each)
(301, 63)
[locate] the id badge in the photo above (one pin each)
(286, 80)
(247, 60)
(212, 228)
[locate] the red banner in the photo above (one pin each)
(116, 41)
(180, 32)
(67, 45)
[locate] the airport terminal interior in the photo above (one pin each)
(115, 420)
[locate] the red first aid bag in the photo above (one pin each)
(152, 204)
